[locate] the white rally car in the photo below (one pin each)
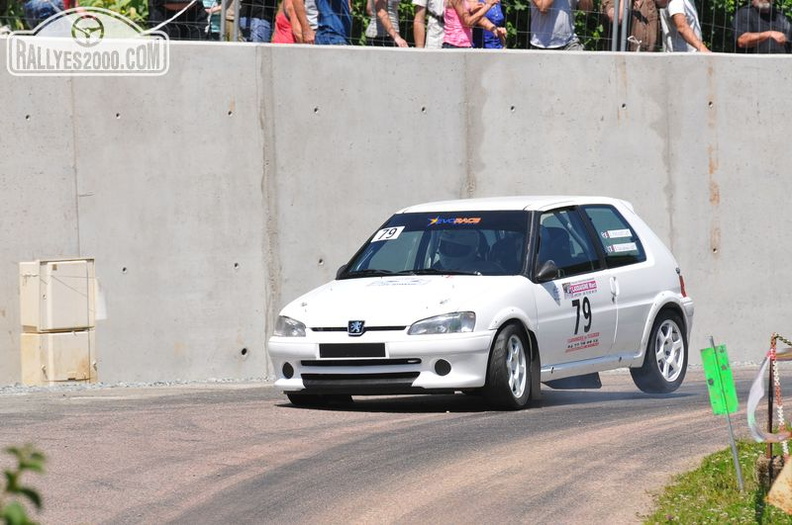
(491, 296)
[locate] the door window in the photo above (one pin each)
(563, 238)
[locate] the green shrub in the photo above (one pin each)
(135, 10)
(14, 494)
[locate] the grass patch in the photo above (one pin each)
(710, 494)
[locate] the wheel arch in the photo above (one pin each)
(667, 304)
(536, 360)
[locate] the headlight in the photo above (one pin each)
(288, 327)
(445, 324)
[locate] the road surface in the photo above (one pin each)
(240, 453)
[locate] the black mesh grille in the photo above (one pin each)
(352, 350)
(362, 362)
(392, 383)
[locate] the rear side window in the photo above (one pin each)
(619, 241)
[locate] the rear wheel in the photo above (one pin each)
(508, 375)
(315, 400)
(665, 362)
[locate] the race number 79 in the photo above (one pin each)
(586, 308)
(387, 234)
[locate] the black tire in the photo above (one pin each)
(315, 400)
(666, 357)
(508, 384)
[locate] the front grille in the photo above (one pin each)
(363, 362)
(361, 384)
(341, 350)
(367, 329)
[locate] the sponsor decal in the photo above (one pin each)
(623, 247)
(580, 288)
(454, 220)
(616, 234)
(581, 342)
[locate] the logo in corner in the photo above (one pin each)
(356, 328)
(87, 30)
(87, 41)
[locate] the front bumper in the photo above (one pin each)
(426, 363)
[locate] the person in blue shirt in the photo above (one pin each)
(335, 22)
(487, 39)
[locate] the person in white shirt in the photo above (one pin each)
(428, 24)
(681, 28)
(383, 27)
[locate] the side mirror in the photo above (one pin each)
(547, 272)
(341, 270)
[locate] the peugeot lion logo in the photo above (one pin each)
(355, 327)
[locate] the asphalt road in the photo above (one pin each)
(240, 453)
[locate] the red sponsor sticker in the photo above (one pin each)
(580, 288)
(582, 342)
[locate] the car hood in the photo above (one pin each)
(393, 301)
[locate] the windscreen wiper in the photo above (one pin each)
(437, 271)
(369, 272)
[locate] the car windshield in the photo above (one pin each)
(475, 243)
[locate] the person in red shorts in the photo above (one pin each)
(287, 26)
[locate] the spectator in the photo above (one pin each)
(213, 9)
(190, 18)
(761, 28)
(681, 28)
(428, 34)
(308, 17)
(36, 11)
(312, 15)
(460, 18)
(256, 19)
(335, 22)
(643, 23)
(287, 27)
(383, 27)
(553, 24)
(486, 39)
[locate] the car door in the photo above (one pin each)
(576, 315)
(625, 256)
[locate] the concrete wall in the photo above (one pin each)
(245, 176)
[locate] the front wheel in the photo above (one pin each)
(508, 375)
(665, 362)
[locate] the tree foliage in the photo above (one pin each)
(14, 494)
(135, 10)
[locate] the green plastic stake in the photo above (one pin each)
(720, 381)
(723, 395)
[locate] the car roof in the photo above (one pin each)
(525, 202)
